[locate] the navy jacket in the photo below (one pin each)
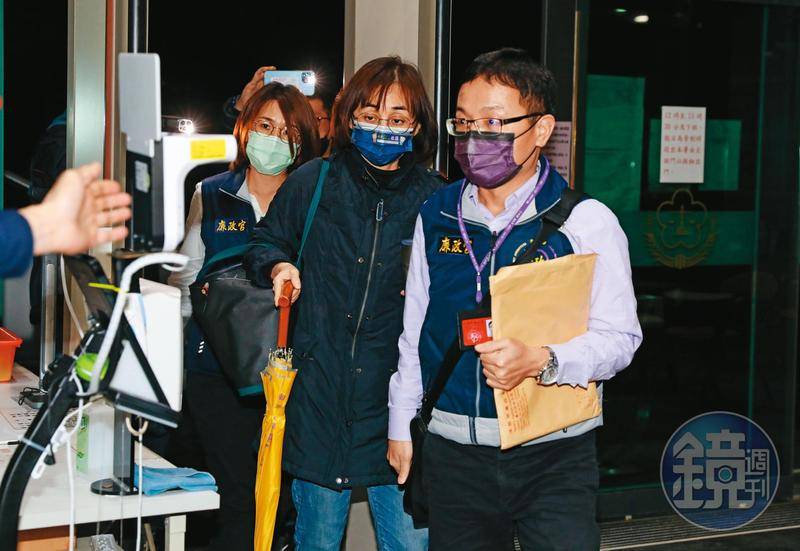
(349, 314)
(16, 244)
(452, 287)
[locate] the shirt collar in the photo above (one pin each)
(244, 193)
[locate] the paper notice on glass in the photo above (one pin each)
(542, 303)
(683, 144)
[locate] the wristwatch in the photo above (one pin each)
(549, 373)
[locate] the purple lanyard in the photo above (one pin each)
(499, 243)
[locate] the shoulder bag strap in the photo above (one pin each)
(223, 255)
(241, 250)
(552, 220)
(312, 208)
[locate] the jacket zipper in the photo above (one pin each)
(242, 199)
(378, 221)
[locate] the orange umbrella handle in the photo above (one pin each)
(285, 300)
(284, 303)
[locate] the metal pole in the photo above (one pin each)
(444, 11)
(138, 28)
(47, 337)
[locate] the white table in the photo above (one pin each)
(46, 501)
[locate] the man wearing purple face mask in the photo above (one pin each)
(545, 490)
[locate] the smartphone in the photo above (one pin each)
(304, 81)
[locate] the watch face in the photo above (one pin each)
(548, 375)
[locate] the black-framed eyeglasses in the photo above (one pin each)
(490, 126)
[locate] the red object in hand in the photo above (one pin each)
(284, 303)
(476, 331)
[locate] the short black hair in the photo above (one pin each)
(514, 67)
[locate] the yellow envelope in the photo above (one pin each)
(542, 303)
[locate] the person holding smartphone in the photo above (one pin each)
(276, 133)
(320, 102)
(349, 304)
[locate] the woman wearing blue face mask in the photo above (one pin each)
(349, 312)
(276, 132)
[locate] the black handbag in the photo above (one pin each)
(238, 320)
(415, 499)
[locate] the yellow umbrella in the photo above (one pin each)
(278, 378)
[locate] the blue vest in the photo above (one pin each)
(227, 218)
(452, 286)
(227, 222)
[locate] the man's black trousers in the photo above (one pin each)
(480, 497)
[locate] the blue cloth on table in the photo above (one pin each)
(158, 481)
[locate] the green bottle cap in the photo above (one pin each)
(85, 364)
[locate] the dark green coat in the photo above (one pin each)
(349, 315)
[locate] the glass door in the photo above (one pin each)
(711, 217)
(714, 243)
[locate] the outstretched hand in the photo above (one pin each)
(81, 211)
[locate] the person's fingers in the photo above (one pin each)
(405, 467)
(117, 216)
(111, 202)
(295, 279)
(494, 378)
(69, 183)
(118, 233)
(105, 235)
(105, 187)
(100, 236)
(107, 218)
(491, 346)
(277, 285)
(89, 172)
(492, 359)
(247, 93)
(259, 74)
(287, 274)
(487, 362)
(496, 383)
